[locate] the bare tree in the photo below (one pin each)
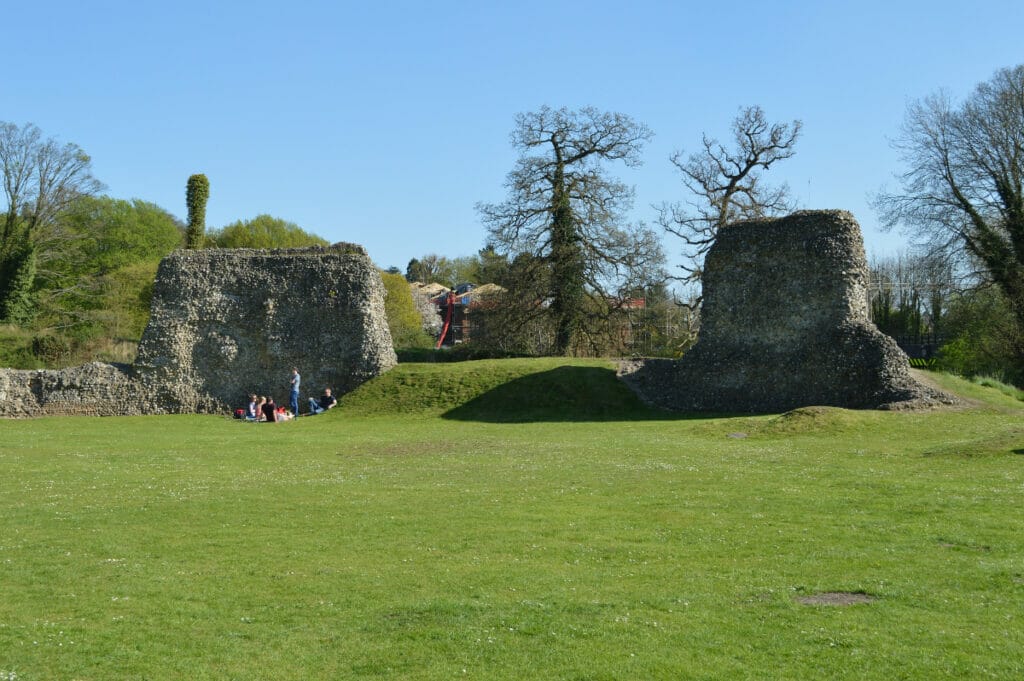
(962, 190)
(41, 180)
(564, 209)
(726, 184)
(909, 295)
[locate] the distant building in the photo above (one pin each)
(456, 308)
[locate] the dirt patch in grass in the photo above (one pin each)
(837, 598)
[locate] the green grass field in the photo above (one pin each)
(484, 521)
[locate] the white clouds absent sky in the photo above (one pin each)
(384, 123)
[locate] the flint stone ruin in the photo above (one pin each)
(225, 323)
(784, 324)
(94, 389)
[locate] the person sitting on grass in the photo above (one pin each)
(252, 411)
(269, 411)
(328, 401)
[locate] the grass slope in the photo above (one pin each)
(426, 529)
(500, 390)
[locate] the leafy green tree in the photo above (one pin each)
(17, 278)
(563, 207)
(263, 231)
(414, 271)
(106, 235)
(984, 338)
(487, 266)
(432, 268)
(197, 193)
(126, 295)
(113, 233)
(404, 320)
(963, 187)
(492, 266)
(41, 180)
(90, 293)
(466, 270)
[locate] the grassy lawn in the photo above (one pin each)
(482, 520)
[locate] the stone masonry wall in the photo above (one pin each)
(226, 323)
(784, 324)
(229, 322)
(94, 389)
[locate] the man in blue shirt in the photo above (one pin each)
(296, 380)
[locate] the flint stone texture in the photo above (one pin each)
(784, 324)
(94, 389)
(229, 322)
(225, 323)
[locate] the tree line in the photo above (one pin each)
(961, 199)
(560, 244)
(77, 267)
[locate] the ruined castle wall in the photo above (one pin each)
(226, 323)
(229, 322)
(94, 389)
(769, 282)
(785, 324)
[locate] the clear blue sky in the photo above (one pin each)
(384, 122)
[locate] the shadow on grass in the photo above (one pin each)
(568, 393)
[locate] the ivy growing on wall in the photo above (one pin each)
(197, 191)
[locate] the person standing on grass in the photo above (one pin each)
(295, 381)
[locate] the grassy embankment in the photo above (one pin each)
(510, 520)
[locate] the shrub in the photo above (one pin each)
(51, 349)
(990, 382)
(263, 231)
(986, 340)
(17, 276)
(404, 321)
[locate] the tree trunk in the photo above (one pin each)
(567, 274)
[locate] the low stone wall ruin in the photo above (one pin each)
(94, 389)
(226, 323)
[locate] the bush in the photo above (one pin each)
(16, 349)
(404, 321)
(17, 276)
(990, 382)
(263, 231)
(51, 349)
(986, 340)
